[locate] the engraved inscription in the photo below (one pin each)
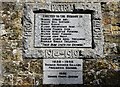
(62, 7)
(34, 42)
(62, 71)
(97, 30)
(63, 30)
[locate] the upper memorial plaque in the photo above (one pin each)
(63, 30)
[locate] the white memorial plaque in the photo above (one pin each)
(62, 71)
(63, 30)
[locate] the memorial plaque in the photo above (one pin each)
(62, 71)
(63, 30)
(61, 34)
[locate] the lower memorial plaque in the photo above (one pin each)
(62, 71)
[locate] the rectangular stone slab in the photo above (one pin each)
(63, 30)
(62, 71)
(84, 34)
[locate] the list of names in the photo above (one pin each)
(62, 30)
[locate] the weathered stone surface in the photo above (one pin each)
(96, 72)
(59, 0)
(97, 39)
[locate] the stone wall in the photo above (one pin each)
(28, 72)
